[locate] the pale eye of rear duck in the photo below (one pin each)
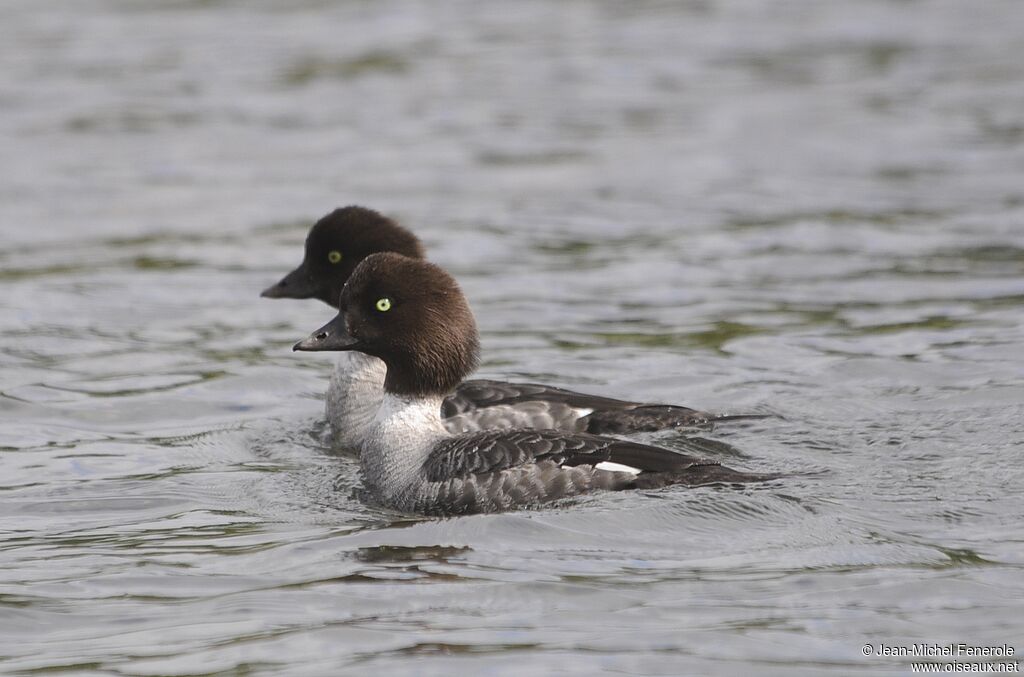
(334, 256)
(383, 305)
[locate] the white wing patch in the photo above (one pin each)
(617, 467)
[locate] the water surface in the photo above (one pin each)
(807, 209)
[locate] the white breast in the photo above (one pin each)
(403, 434)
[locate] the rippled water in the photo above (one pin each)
(811, 209)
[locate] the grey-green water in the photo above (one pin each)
(813, 209)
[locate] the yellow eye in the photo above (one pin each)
(334, 256)
(384, 305)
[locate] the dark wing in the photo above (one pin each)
(495, 450)
(485, 393)
(643, 418)
(607, 415)
(698, 474)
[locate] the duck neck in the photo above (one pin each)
(353, 397)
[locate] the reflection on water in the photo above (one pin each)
(808, 210)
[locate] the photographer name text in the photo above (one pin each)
(940, 651)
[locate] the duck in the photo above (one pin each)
(412, 316)
(337, 244)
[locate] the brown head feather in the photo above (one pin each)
(427, 336)
(336, 245)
